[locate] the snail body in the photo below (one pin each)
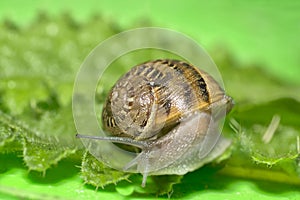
(169, 110)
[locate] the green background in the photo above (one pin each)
(261, 33)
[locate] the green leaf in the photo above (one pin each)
(38, 66)
(11, 134)
(95, 173)
(40, 156)
(266, 141)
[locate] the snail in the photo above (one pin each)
(169, 112)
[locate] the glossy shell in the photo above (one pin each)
(169, 110)
(154, 96)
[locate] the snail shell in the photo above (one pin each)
(156, 95)
(169, 110)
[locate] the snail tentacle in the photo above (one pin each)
(171, 111)
(120, 140)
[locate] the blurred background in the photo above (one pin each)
(262, 32)
(255, 44)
